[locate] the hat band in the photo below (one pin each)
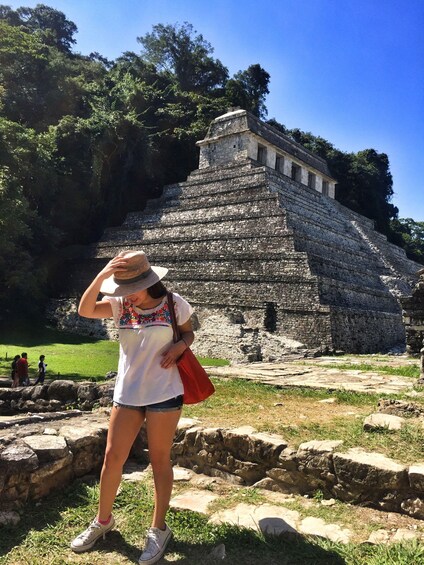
(133, 279)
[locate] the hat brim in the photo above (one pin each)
(111, 288)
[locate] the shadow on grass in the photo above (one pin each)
(244, 546)
(38, 335)
(46, 513)
(194, 539)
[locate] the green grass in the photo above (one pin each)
(43, 536)
(412, 371)
(68, 356)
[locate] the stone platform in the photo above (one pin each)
(316, 377)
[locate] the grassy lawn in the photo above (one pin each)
(46, 529)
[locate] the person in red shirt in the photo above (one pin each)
(22, 370)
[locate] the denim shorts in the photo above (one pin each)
(169, 405)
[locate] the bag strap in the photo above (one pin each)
(173, 317)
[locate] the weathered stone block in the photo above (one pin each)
(64, 391)
(51, 476)
(383, 421)
(364, 476)
(18, 458)
(47, 447)
(416, 477)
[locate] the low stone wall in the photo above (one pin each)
(34, 460)
(58, 395)
(245, 457)
(38, 458)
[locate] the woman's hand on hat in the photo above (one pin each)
(115, 265)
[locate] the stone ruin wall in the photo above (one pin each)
(270, 265)
(413, 317)
(49, 451)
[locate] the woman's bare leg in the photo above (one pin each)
(125, 423)
(161, 428)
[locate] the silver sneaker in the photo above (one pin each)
(156, 542)
(88, 538)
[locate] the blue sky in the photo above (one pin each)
(351, 71)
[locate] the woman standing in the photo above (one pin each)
(14, 373)
(148, 386)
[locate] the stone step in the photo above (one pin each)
(213, 189)
(392, 254)
(243, 207)
(334, 250)
(319, 214)
(325, 233)
(291, 296)
(251, 192)
(208, 246)
(228, 226)
(351, 295)
(238, 269)
(337, 270)
(221, 172)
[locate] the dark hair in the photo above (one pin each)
(24, 354)
(157, 290)
(42, 357)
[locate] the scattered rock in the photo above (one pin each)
(403, 534)
(9, 518)
(195, 500)
(379, 537)
(386, 421)
(50, 432)
(274, 520)
(181, 474)
(218, 552)
(329, 502)
(328, 401)
(317, 527)
(400, 407)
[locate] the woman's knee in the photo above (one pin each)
(160, 459)
(114, 458)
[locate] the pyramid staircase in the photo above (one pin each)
(268, 263)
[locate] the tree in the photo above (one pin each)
(176, 50)
(39, 83)
(51, 25)
(248, 89)
(409, 234)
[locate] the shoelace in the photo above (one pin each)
(91, 528)
(152, 542)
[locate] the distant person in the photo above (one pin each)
(22, 370)
(41, 370)
(14, 373)
(148, 386)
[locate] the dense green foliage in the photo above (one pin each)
(83, 140)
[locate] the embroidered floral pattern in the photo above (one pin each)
(130, 318)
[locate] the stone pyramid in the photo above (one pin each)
(270, 264)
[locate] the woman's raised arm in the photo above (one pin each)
(89, 306)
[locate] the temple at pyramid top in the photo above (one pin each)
(238, 135)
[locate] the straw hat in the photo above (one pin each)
(138, 275)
